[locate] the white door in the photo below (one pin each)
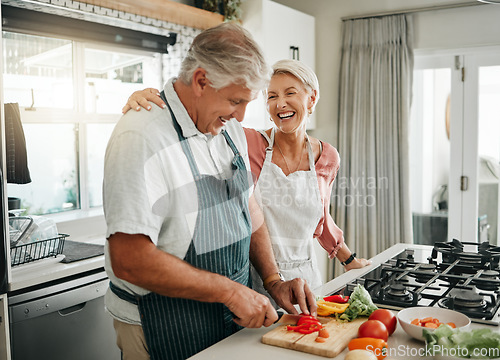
(481, 145)
(454, 146)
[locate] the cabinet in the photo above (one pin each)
(283, 33)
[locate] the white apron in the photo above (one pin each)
(292, 209)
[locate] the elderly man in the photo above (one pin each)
(183, 224)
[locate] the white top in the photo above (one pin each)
(148, 186)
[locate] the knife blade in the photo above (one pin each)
(291, 319)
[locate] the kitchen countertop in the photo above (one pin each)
(44, 270)
(246, 344)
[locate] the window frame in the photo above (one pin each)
(84, 221)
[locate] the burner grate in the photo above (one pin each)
(482, 255)
(461, 276)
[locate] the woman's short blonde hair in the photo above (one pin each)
(302, 72)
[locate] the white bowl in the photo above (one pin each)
(405, 317)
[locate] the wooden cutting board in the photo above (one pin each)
(340, 335)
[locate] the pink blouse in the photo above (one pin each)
(329, 235)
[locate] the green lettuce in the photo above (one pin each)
(478, 343)
(360, 304)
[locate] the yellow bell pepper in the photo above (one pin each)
(326, 308)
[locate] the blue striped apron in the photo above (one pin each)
(177, 328)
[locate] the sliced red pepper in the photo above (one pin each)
(307, 317)
(306, 325)
(309, 330)
(340, 299)
(307, 320)
(297, 327)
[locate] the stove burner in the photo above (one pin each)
(443, 278)
(467, 299)
(399, 292)
(490, 274)
(486, 255)
(483, 284)
(424, 272)
(429, 267)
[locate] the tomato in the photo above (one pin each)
(324, 333)
(386, 317)
(373, 329)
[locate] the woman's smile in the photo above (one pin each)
(286, 115)
(288, 102)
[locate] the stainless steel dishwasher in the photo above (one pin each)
(62, 320)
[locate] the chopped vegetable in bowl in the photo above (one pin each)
(430, 316)
(430, 322)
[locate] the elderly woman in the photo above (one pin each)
(294, 176)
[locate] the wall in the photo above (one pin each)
(443, 29)
(439, 29)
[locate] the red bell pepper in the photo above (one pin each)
(310, 328)
(308, 319)
(306, 325)
(340, 299)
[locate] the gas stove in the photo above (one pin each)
(456, 275)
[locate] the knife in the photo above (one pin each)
(291, 319)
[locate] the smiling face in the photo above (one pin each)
(288, 102)
(215, 107)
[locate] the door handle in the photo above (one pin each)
(72, 309)
(464, 183)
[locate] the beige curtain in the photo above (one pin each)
(371, 193)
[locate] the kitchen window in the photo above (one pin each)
(70, 95)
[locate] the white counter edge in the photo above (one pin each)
(22, 279)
